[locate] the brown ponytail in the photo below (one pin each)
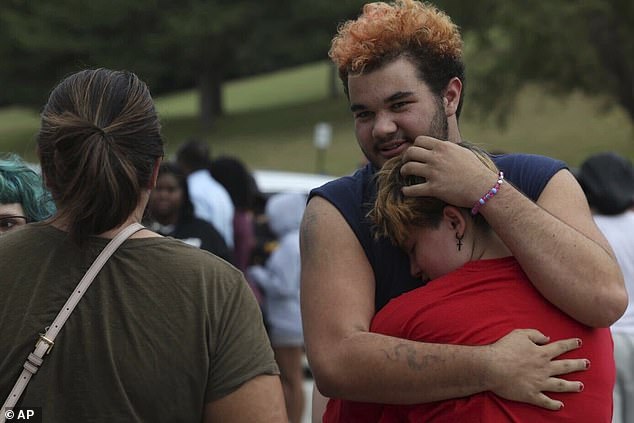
(98, 141)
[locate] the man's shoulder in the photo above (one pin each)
(350, 187)
(530, 173)
(171, 252)
(511, 160)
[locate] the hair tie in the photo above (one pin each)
(99, 130)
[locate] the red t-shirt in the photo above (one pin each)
(477, 305)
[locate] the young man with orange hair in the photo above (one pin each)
(401, 66)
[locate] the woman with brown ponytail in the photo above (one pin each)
(166, 332)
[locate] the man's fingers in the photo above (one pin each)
(416, 168)
(562, 367)
(557, 348)
(418, 190)
(535, 336)
(414, 155)
(544, 401)
(426, 142)
(562, 385)
(421, 149)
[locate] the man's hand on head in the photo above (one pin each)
(453, 174)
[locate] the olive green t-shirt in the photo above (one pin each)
(163, 329)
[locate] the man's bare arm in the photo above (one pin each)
(555, 240)
(562, 251)
(259, 400)
(349, 362)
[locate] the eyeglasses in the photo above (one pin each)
(11, 222)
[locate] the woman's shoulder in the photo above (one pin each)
(32, 235)
(175, 251)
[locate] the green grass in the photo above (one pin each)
(270, 120)
(302, 84)
(569, 128)
(18, 127)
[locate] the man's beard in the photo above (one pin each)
(439, 127)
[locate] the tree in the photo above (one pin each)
(44, 41)
(171, 45)
(585, 45)
(296, 32)
(205, 39)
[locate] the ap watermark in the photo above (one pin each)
(23, 414)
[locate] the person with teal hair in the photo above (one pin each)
(23, 197)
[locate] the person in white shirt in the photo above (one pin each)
(210, 199)
(608, 182)
(279, 281)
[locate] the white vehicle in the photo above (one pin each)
(274, 181)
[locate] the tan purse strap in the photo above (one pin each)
(46, 340)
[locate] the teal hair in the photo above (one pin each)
(21, 184)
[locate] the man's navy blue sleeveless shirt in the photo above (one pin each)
(354, 196)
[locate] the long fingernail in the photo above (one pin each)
(561, 405)
(587, 364)
(578, 342)
(580, 386)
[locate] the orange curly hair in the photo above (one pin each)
(383, 32)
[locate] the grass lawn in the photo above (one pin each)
(270, 119)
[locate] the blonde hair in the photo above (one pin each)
(394, 213)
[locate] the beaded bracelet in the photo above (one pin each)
(486, 197)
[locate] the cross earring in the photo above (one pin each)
(459, 243)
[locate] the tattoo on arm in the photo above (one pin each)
(412, 357)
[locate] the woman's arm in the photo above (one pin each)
(258, 400)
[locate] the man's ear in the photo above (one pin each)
(451, 96)
(155, 172)
(454, 218)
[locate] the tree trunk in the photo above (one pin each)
(210, 86)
